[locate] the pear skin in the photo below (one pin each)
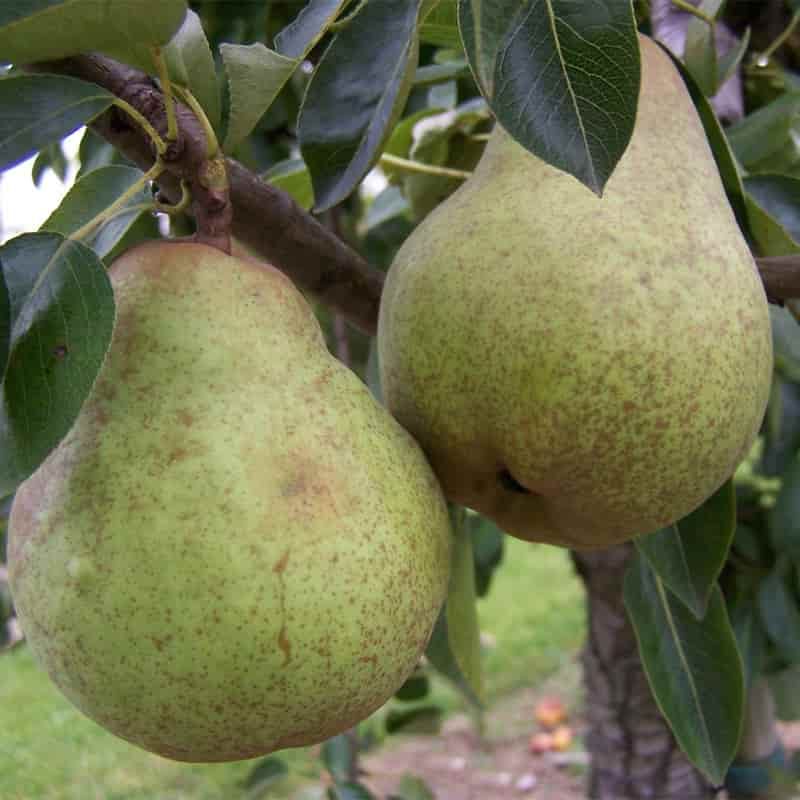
(582, 370)
(235, 549)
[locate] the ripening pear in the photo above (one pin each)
(235, 549)
(581, 369)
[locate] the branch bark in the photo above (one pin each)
(266, 219)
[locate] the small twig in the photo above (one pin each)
(787, 32)
(212, 144)
(686, 6)
(166, 88)
(406, 165)
(154, 136)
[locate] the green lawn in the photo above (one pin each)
(48, 751)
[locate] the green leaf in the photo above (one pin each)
(190, 63)
(415, 688)
(785, 342)
(784, 685)
(412, 788)
(51, 157)
(779, 612)
(5, 323)
(292, 177)
(62, 317)
(487, 549)
(267, 772)
(440, 26)
(256, 75)
(390, 203)
(779, 197)
(761, 133)
(561, 77)
(750, 638)
(784, 516)
(36, 110)
(350, 791)
(339, 755)
(420, 720)
(688, 556)
(454, 648)
(731, 61)
(298, 38)
(700, 53)
(95, 152)
(39, 30)
(439, 73)
(367, 69)
(92, 194)
(693, 667)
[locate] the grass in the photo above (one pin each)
(49, 751)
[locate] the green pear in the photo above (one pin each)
(235, 549)
(582, 370)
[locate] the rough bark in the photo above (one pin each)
(633, 753)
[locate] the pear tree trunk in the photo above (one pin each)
(633, 753)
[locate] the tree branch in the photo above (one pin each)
(266, 219)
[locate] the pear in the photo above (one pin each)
(582, 370)
(235, 549)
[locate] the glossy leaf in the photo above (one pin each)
(757, 136)
(784, 516)
(693, 667)
(454, 648)
(39, 30)
(778, 196)
(298, 38)
(293, 178)
(689, 555)
(367, 69)
(440, 26)
(191, 64)
(267, 772)
(36, 110)
(561, 77)
(62, 317)
(256, 75)
(780, 613)
(92, 194)
(700, 52)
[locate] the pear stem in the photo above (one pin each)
(781, 38)
(119, 204)
(684, 5)
(406, 165)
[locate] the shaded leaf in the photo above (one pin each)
(92, 194)
(292, 177)
(95, 152)
(367, 69)
(415, 688)
(731, 61)
(36, 110)
(256, 75)
(487, 549)
(39, 30)
(190, 63)
(759, 134)
(689, 555)
(350, 791)
(266, 772)
(454, 648)
(62, 317)
(5, 323)
(51, 157)
(780, 613)
(778, 196)
(785, 686)
(420, 720)
(440, 26)
(561, 77)
(693, 667)
(298, 38)
(390, 203)
(700, 52)
(786, 342)
(339, 755)
(750, 638)
(784, 516)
